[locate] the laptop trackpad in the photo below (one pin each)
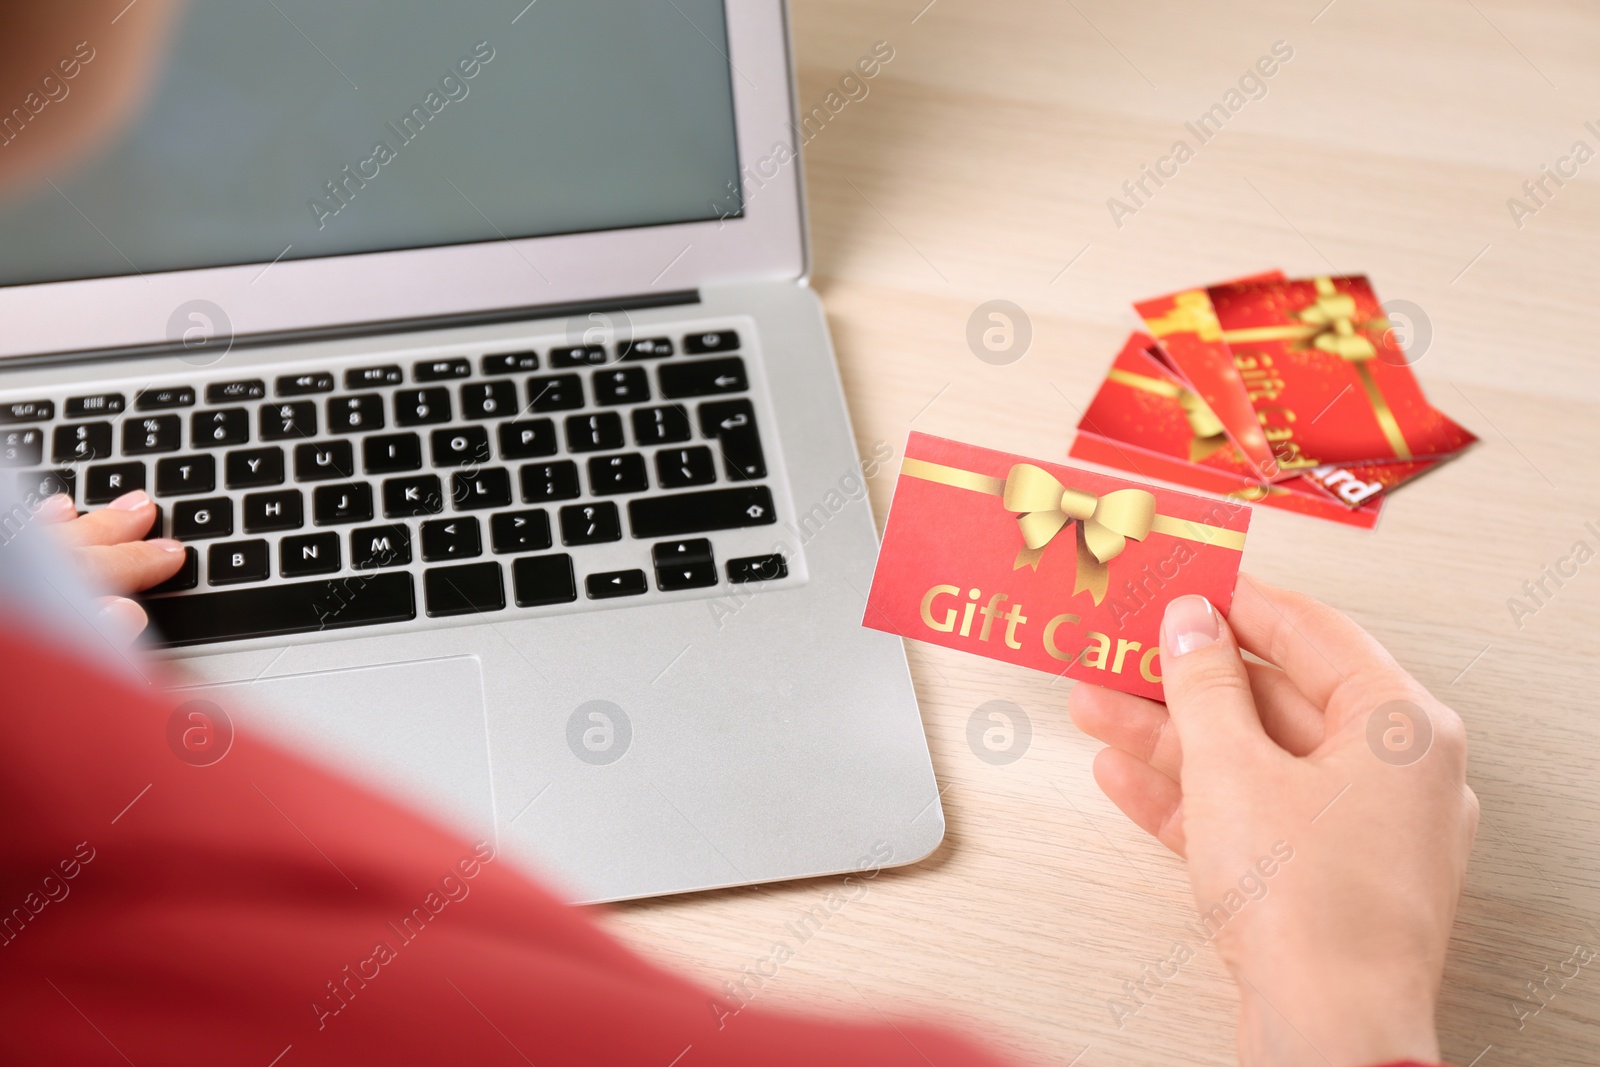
(415, 731)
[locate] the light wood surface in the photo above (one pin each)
(977, 167)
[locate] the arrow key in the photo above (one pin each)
(609, 584)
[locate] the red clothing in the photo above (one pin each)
(153, 911)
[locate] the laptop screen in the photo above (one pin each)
(299, 128)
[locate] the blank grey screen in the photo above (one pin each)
(301, 128)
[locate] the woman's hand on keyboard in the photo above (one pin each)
(108, 544)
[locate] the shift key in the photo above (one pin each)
(712, 509)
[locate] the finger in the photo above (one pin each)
(1322, 650)
(57, 508)
(122, 619)
(130, 567)
(1151, 799)
(1143, 728)
(1208, 692)
(126, 518)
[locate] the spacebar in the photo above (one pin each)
(274, 610)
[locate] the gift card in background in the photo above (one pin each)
(1062, 570)
(1190, 337)
(1327, 379)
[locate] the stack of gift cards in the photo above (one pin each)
(1292, 393)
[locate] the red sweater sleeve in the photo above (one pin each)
(152, 911)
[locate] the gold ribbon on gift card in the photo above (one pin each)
(1208, 433)
(1104, 524)
(1328, 325)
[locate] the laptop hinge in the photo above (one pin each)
(369, 329)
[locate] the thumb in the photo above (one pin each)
(1207, 689)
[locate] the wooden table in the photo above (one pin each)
(978, 166)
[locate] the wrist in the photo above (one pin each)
(1347, 1024)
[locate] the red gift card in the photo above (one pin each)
(1328, 381)
(1191, 341)
(1058, 569)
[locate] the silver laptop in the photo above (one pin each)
(470, 352)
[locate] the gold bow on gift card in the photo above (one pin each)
(1208, 433)
(1328, 325)
(1045, 507)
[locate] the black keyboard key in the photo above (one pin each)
(188, 575)
(684, 565)
(458, 538)
(195, 520)
(14, 411)
(609, 475)
(711, 509)
(421, 407)
(389, 453)
(352, 414)
(697, 344)
(324, 460)
(625, 385)
(463, 590)
(598, 432)
(438, 370)
(661, 426)
(43, 484)
(419, 495)
(156, 525)
(295, 420)
(646, 348)
(178, 396)
(335, 504)
(555, 392)
(180, 475)
(221, 428)
(758, 568)
(542, 580)
(276, 610)
(510, 362)
(705, 378)
(679, 468)
(281, 510)
(590, 524)
(88, 407)
(520, 531)
(488, 400)
(254, 467)
(104, 482)
(380, 546)
(304, 384)
(25, 448)
(527, 439)
(487, 488)
(549, 481)
(85, 441)
(306, 554)
(579, 356)
(152, 433)
(466, 446)
(373, 377)
(232, 562)
(233, 392)
(733, 424)
(608, 584)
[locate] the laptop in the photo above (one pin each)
(470, 353)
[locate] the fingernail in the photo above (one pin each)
(59, 506)
(124, 618)
(1190, 623)
(166, 544)
(130, 501)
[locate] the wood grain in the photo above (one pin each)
(978, 166)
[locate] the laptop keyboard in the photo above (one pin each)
(383, 493)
